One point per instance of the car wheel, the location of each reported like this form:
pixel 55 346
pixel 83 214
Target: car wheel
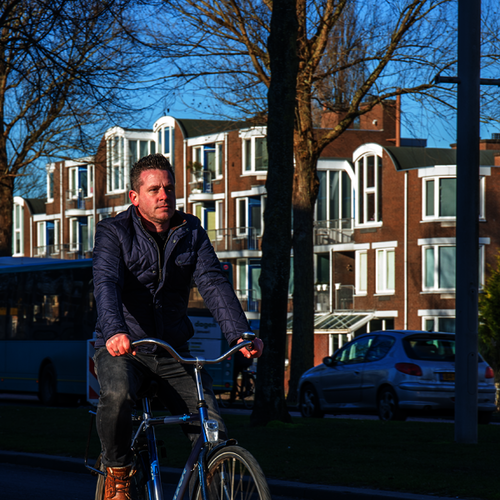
pixel 309 403
pixel 484 417
pixel 387 405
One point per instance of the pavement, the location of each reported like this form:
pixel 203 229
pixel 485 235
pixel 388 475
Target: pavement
pixel 289 489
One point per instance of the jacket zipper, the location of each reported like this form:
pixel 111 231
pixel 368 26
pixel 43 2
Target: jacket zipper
pixel 160 267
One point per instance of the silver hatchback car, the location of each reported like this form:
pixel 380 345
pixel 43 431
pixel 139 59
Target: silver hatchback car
pixel 394 372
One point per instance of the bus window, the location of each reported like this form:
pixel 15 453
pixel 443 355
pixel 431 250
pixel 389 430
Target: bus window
pixel 47 314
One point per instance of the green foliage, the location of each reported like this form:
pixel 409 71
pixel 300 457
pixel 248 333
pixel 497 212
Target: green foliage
pixel 489 319
pixel 195 166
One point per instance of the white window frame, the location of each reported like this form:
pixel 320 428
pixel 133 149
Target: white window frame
pixel 57 234
pixel 362 163
pixel 435 287
pixel 241 231
pixel 440 172
pixel 382 275
pixel 198 155
pixel 436 215
pixel 40 238
pixel 361 265
pixel 116 160
pixel 138 154
pixel 219 160
pixel 249 141
pixel 328 194
pixel 160 144
pixel 74 240
pixel 73 182
pixel 436 243
pixel 482 197
pixel 481 256
pixel 90 229
pixel 90 180
pixel 219 219
pixel 18 229
pixel 242 269
pixel 435 315
pixel 50 174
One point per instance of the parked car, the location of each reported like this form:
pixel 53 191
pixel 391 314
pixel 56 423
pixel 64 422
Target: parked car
pixel 394 372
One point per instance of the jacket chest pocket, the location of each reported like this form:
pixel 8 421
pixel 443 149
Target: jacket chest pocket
pixel 183 268
pixel 185 259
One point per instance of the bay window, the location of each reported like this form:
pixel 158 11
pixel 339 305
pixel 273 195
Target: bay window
pixel 368 170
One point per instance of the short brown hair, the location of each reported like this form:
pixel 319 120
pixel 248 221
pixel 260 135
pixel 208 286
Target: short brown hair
pixel 151 162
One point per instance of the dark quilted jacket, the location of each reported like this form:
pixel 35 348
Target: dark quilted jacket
pixel 136 297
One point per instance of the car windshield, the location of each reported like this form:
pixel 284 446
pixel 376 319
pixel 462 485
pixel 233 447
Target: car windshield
pixel 430 349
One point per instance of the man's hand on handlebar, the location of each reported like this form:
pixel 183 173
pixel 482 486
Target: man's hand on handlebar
pixel 119 344
pixel 256 352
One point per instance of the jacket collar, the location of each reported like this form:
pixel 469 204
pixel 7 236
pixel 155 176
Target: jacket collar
pixel 176 221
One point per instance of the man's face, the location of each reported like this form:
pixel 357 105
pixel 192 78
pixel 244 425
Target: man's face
pixel 156 197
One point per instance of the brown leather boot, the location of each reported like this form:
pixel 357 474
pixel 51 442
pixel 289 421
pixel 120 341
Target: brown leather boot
pixel 117 486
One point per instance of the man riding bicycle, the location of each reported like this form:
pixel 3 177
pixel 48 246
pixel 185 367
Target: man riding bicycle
pixel 144 261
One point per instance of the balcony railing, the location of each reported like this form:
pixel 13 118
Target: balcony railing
pixel 66 251
pixel 201 182
pixel 343 298
pixel 249 299
pixel 234 239
pixel 333 232
pixel 322 298
pixel 75 199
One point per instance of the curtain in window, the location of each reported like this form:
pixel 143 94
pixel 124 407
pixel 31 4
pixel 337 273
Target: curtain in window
pixel 447 263
pixel 448 197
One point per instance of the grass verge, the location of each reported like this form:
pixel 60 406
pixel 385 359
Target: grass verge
pixel 416 457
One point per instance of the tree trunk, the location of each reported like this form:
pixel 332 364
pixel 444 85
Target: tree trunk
pixel 6 194
pixel 270 401
pixel 305 191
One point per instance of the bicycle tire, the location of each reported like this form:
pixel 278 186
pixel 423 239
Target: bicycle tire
pixel 138 486
pixel 233 473
pixel 248 391
pixel 223 403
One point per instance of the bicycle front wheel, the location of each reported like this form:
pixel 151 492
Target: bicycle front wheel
pixel 233 473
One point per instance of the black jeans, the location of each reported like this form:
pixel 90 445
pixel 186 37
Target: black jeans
pixel 121 379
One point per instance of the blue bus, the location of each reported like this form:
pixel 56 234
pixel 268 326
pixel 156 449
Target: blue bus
pixel 47 317
pixel 47 313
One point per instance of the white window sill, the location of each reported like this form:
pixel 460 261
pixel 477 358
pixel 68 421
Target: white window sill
pixel 110 193
pixel 438 219
pixel 368 225
pixel 254 173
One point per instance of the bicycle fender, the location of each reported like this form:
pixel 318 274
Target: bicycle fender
pixel 215 449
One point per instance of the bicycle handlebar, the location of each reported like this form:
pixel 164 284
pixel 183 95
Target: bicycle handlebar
pixel 192 361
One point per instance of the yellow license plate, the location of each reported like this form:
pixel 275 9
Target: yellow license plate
pixel 448 377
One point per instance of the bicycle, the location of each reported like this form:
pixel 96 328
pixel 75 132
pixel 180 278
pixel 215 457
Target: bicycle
pixel 225 470
pixel 243 389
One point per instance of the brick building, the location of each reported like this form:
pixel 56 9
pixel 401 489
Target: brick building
pixel 385 218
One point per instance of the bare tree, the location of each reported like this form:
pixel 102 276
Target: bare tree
pixel 65 67
pixel 353 55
